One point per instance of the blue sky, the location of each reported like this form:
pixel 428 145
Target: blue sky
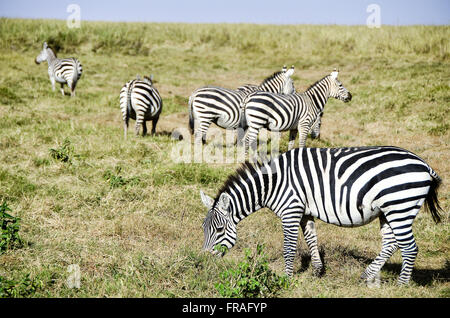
pixel 392 12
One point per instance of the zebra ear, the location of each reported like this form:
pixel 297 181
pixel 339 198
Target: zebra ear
pixel 284 69
pixel 224 202
pixel 290 71
pixel 334 74
pixel 207 200
pixel 45 45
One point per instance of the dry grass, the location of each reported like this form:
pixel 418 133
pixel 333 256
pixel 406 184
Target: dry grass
pixel 142 238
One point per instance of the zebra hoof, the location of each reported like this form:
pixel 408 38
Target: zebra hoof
pixel 318 271
pixel 372 281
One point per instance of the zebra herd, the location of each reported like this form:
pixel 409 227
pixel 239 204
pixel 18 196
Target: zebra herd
pixel 347 187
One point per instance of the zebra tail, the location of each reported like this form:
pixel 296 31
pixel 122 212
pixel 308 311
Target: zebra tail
pixel 431 200
pixel 191 116
pixel 130 87
pixel 243 120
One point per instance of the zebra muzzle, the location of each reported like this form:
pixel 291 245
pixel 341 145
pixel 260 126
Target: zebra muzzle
pixel 349 97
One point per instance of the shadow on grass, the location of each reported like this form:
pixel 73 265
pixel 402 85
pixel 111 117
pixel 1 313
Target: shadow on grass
pixel 421 276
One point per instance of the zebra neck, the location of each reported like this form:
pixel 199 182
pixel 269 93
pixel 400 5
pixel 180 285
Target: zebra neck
pixel 250 192
pixel 274 84
pixel 319 94
pixel 50 56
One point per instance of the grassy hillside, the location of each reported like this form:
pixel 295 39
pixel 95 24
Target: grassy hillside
pixel 131 218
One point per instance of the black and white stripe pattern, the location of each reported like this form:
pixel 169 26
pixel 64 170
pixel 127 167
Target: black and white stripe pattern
pixel 292 112
pixel 221 106
pixel 64 71
pixel 346 187
pixel 140 100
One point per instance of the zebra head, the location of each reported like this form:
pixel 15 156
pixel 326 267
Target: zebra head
pixel 43 55
pixel 337 90
pixel 218 228
pixel 288 87
pixel 279 82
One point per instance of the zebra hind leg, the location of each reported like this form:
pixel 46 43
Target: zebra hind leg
pixel 144 128
pixel 138 125
pixel 240 136
pixel 292 135
pixel 62 89
pixel 401 225
pixel 154 122
pixel 200 130
pixel 309 232
pixel 72 88
pixel 251 139
pixel 388 246
pixel 125 128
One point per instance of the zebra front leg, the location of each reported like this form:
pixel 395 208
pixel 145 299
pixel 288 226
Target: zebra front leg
pixel 62 89
pixel 303 134
pixel 292 135
pixel 290 231
pixel 309 232
pixel 388 246
pixel 52 80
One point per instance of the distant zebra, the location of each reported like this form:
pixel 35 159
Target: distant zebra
pixel 64 71
pixel 140 100
pixel 346 187
pixel 222 106
pixel 293 112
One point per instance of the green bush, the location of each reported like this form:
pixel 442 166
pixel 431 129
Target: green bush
pixel 22 288
pixel 252 278
pixel 64 153
pixel 10 230
pixel 116 180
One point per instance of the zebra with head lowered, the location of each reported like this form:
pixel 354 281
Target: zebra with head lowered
pixel 222 106
pixel 64 71
pixel 292 112
pixel 347 187
pixel 141 101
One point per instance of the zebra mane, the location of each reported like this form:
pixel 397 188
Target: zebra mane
pixel 241 173
pixel 271 77
pixel 51 50
pixel 311 86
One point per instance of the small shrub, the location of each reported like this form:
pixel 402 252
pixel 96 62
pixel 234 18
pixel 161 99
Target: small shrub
pixel 116 180
pixel 10 230
pixel 252 278
pixel 21 288
pixel 64 153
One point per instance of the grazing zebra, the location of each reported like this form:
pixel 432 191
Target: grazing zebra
pixel 222 106
pixel 346 187
pixel 140 100
pixel 293 112
pixel 64 71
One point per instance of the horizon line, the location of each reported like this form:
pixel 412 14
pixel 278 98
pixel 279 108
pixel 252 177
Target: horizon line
pixel 236 23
